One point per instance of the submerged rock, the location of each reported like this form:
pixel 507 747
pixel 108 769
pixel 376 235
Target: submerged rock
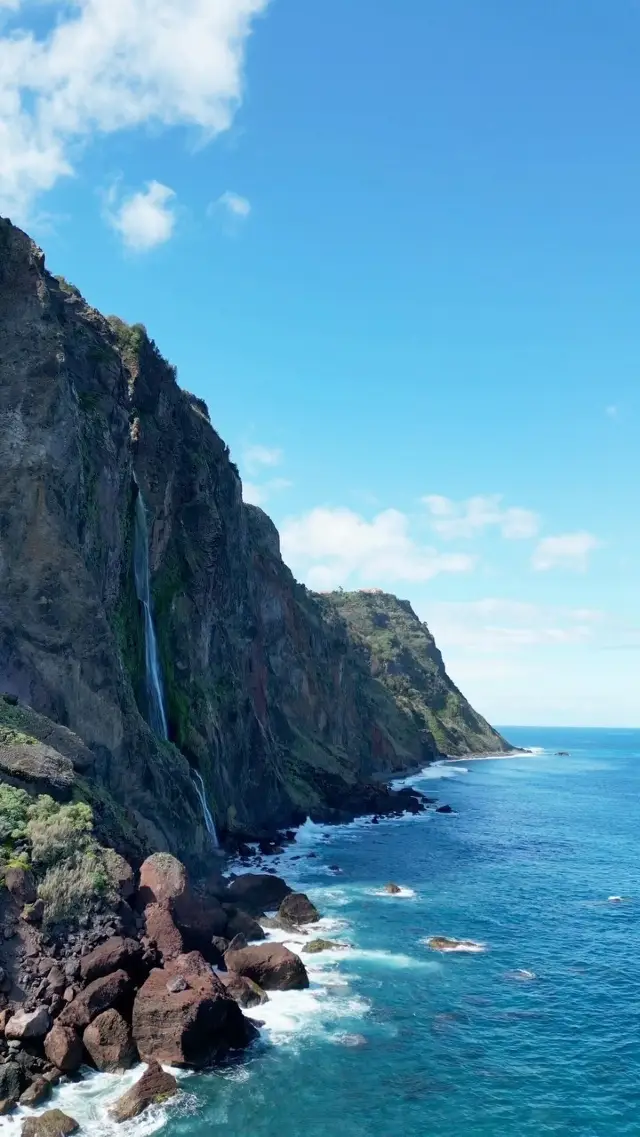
pixel 272 966
pixel 317 946
pixel 392 889
pixel 444 943
pixel 155 1086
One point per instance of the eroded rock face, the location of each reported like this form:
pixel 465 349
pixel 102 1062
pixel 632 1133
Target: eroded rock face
pixel 192 1026
pixel 272 966
pixel 155 1085
pixel 108 1040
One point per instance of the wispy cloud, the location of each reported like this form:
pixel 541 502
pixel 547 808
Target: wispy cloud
pixel 102 66
pixel 254 493
pixel 498 625
pixel 144 219
pixel 332 547
pixel 232 204
pixel 569 551
pixel 257 457
pixel 454 520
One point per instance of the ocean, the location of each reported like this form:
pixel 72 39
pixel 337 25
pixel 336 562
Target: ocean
pixel 535 1032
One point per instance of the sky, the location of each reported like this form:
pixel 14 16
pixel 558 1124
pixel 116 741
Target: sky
pixel 395 247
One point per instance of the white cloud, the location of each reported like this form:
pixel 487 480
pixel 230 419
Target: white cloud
pixel 259 494
pixel 455 520
pixel 330 547
pixel 498 626
pixel 233 204
pixel 109 65
pixel 145 219
pixel 568 551
pixel 255 457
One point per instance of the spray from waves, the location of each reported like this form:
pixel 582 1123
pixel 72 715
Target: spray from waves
pixel 403 894
pixel 88 1102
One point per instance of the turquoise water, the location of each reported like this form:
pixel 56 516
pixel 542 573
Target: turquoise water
pixel 452 1043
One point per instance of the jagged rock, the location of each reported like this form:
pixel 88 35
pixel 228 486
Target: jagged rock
pixel 53 1123
pixel 241 923
pixel 11 1081
pixel 238 942
pixel 21 885
pixel 28 1024
pixel 161 930
pixel 36 1093
pixel 116 954
pixel 155 1085
pixel 191 1027
pixel 108 1041
pixel 101 995
pixel 272 966
pixel 246 993
pixel 296 908
pixel 63 1047
pixel 257 892
pixel 220 945
pixel 316 946
pixel 56 980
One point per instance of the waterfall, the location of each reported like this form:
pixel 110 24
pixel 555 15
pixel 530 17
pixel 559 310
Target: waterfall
pixel 155 697
pixel 210 824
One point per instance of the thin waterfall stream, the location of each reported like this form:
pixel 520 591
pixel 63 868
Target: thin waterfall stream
pixel 153 672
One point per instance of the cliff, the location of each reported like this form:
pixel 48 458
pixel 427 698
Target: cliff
pixel 404 657
pixel 268 693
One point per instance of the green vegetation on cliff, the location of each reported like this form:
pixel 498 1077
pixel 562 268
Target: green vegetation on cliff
pixel 404 657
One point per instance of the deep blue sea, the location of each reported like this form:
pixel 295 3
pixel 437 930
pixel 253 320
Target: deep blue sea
pixel 538 1034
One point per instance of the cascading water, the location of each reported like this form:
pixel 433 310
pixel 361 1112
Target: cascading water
pixel 208 817
pixel 155 696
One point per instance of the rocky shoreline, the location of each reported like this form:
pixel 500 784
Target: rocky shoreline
pixel 161 977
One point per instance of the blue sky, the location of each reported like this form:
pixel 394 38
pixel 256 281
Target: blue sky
pixel 395 247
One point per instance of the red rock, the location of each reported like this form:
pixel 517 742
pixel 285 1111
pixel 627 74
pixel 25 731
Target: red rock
pixel 21 885
pixel 155 1085
pixel 109 991
pixel 161 930
pixel 108 1041
pixel 190 1027
pixel 245 992
pixel 63 1047
pixel 164 881
pixel 272 966
pixel 115 954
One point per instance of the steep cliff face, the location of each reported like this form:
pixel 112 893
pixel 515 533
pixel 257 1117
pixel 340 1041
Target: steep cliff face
pixel 267 694
pixel 404 657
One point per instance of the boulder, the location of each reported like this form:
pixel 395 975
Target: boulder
pixel 110 991
pixel 154 1086
pixel 241 923
pixel 36 1093
pixel 63 1048
pixel 161 930
pixel 191 1027
pixel 28 1024
pixel 245 992
pixel 392 889
pixel 11 1081
pixel 316 946
pixel 53 1123
pixel 21 885
pixel 115 954
pixel 238 942
pixel 164 880
pixel 124 876
pixel 109 1043
pixel 272 966
pixel 296 908
pixel 257 892
pixel 444 809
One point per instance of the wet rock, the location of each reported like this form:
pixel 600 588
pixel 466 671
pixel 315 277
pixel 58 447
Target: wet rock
pixel 444 809
pixel 28 1024
pixel 11 1081
pixel 110 991
pixel 53 1123
pixel 109 1043
pixel 154 1086
pixel 116 954
pixel 245 992
pixel 296 908
pixel 63 1047
pixel 444 943
pixel 272 966
pixel 162 931
pixel 21 884
pixel 241 923
pixel 392 889
pixel 192 1027
pixel 36 1093
pixel 257 892
pixel 316 946
pixel 6 1106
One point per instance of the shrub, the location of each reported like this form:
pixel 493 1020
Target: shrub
pixel 58 832
pixel 75 887
pixel 14 806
